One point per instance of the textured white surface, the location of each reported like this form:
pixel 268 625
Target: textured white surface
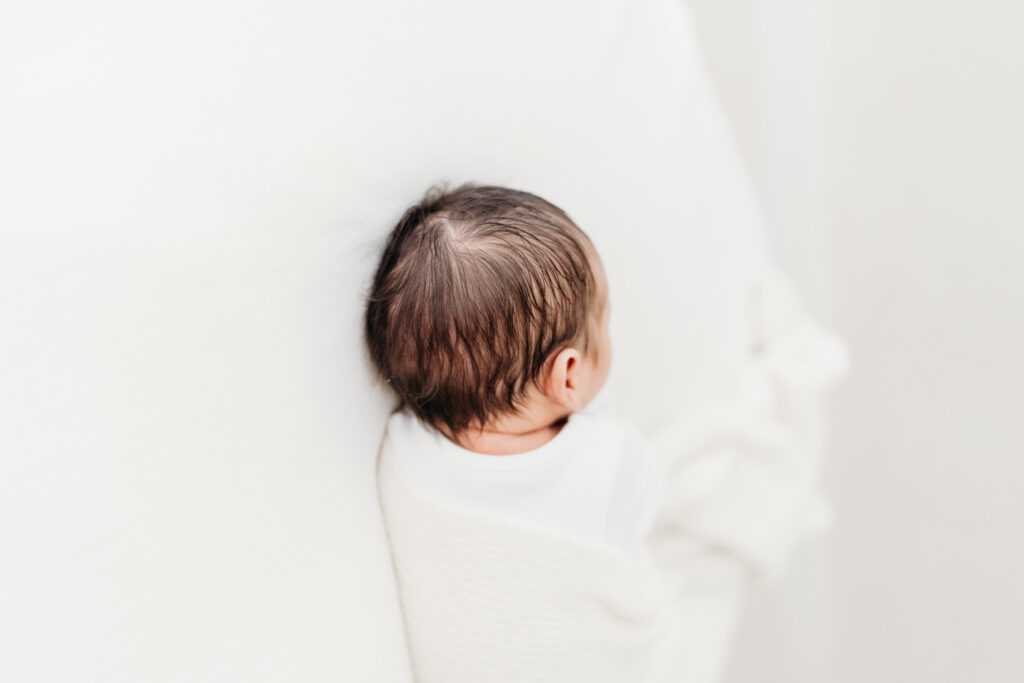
pixel 193 198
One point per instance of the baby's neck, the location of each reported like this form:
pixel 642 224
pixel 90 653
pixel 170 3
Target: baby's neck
pixel 533 424
pixel 508 442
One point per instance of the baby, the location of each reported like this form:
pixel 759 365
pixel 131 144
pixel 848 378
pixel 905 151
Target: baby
pixel 534 536
pixel 517 513
pixel 488 317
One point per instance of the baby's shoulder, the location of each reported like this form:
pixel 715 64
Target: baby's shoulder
pixel 619 446
pixel 608 432
pixel 635 482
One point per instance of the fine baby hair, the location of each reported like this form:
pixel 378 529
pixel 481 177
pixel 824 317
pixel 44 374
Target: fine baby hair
pixel 476 288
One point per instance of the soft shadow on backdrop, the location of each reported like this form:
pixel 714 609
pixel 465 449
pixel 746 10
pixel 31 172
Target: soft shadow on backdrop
pixel 887 145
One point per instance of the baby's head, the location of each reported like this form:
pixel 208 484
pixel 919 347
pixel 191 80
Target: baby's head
pixel 489 304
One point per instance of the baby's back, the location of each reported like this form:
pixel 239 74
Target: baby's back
pixel 514 566
pixel 596 480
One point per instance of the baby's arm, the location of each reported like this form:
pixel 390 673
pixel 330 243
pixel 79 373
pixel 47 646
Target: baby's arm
pixel 742 477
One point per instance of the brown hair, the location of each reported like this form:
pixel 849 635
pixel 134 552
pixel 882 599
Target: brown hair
pixel 476 288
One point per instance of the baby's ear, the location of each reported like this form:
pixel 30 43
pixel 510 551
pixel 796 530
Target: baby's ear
pixel 561 378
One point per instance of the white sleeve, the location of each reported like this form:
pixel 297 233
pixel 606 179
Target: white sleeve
pixel 638 493
pixel 742 477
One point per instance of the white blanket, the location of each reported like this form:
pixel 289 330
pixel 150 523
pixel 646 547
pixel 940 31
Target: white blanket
pixel 485 599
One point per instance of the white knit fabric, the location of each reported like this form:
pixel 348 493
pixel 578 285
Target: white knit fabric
pixel 487 598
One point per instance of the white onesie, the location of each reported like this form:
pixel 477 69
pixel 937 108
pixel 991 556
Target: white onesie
pixel 532 566
pixel 597 479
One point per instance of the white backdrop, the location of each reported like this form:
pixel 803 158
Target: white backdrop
pixel 193 198
pixel 888 146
